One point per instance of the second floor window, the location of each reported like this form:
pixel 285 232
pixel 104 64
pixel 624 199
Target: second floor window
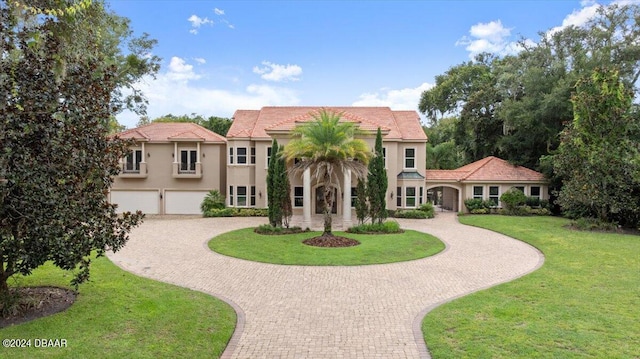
pixel 241 154
pixel 410 158
pixel 133 160
pixel 188 159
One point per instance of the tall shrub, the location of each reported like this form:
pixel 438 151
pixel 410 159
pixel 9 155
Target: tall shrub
pixel 274 201
pixel 377 183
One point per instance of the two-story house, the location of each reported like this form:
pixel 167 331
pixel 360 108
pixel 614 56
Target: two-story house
pixel 171 168
pixel 249 149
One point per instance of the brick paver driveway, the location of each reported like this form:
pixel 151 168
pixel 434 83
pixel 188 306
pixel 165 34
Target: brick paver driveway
pixel 326 312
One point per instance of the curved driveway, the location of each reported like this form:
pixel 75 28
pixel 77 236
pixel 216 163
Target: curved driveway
pixel 326 312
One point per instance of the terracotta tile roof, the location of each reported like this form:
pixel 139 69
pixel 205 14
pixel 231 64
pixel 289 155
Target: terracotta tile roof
pixel 399 124
pixel 171 131
pixel 444 175
pixel 487 169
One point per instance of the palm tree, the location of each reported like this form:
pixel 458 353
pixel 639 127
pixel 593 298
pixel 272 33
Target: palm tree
pixel 327 146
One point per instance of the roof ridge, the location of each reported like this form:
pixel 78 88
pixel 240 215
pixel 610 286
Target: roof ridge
pixel 488 159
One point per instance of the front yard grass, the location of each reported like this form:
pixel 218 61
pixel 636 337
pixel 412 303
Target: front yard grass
pixel 120 315
pixel 583 302
pixel 289 249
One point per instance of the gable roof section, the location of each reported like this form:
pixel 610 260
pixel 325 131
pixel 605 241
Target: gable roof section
pixel 400 125
pixel 488 169
pixel 172 131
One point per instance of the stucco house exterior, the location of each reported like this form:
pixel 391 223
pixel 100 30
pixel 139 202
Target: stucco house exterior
pixel 170 170
pixel 487 179
pixel 249 148
pixel 174 165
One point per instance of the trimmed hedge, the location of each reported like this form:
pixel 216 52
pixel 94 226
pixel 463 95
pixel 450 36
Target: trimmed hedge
pixel 376 228
pixel 236 212
pixel 412 213
pixel 268 229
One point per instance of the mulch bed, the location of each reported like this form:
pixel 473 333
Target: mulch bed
pixel 38 302
pixel 330 241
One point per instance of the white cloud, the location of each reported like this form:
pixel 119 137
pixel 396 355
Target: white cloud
pixel 174 91
pixel 197 21
pixel 278 73
pixel 403 99
pixel 179 70
pixel 578 17
pixel 487 37
pixel 492 31
pixel 200 60
pixel 218 11
pixel 193 31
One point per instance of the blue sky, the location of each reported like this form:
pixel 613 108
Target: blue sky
pixel 219 56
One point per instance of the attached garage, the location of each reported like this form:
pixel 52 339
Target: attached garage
pixel 183 202
pixel 130 201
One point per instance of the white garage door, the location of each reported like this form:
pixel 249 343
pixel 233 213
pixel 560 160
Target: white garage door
pixel 131 201
pixel 183 202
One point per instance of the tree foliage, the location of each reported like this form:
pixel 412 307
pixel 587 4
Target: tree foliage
pixel 326 146
pixel 274 196
pixel 515 107
pixel 377 183
pixel 599 157
pixel 219 125
pixel 62 73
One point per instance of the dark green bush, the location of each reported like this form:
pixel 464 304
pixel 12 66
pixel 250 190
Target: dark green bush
pixel 532 202
pixel 213 200
pixel 473 203
pixel 250 212
pixel 480 211
pixel 236 212
pixel 593 224
pixel 412 213
pixel 377 228
pixel 513 199
pixel 428 209
pixel 224 212
pixel 268 229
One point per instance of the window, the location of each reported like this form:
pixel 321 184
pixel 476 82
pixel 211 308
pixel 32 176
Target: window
pixel 298 195
pixel 411 197
pixel 521 188
pixel 253 195
pixel 188 159
pixel 253 155
pixel 133 160
pixel 384 156
pixel 354 196
pixel 241 154
pixel 399 196
pixel 477 192
pixel 494 195
pixel 535 191
pixel 409 158
pixel 230 195
pixel 242 196
pixel 268 155
pixel 231 155
pixel 421 194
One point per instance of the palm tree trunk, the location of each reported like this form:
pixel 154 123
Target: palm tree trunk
pixel 328 204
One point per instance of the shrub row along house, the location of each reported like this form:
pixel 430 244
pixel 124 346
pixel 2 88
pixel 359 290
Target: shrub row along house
pixel 173 165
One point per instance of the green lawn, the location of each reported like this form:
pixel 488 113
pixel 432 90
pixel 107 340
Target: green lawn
pixel 289 249
pixel 119 315
pixel 583 302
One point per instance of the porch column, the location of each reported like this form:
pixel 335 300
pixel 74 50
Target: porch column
pixel 346 200
pixel 306 199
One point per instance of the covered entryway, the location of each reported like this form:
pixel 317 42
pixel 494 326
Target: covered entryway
pixel 147 201
pixel 445 196
pixel 183 202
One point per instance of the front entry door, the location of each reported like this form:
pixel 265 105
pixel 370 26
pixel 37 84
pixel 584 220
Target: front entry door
pixel 320 201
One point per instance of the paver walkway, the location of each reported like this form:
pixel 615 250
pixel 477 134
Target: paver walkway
pixel 326 312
